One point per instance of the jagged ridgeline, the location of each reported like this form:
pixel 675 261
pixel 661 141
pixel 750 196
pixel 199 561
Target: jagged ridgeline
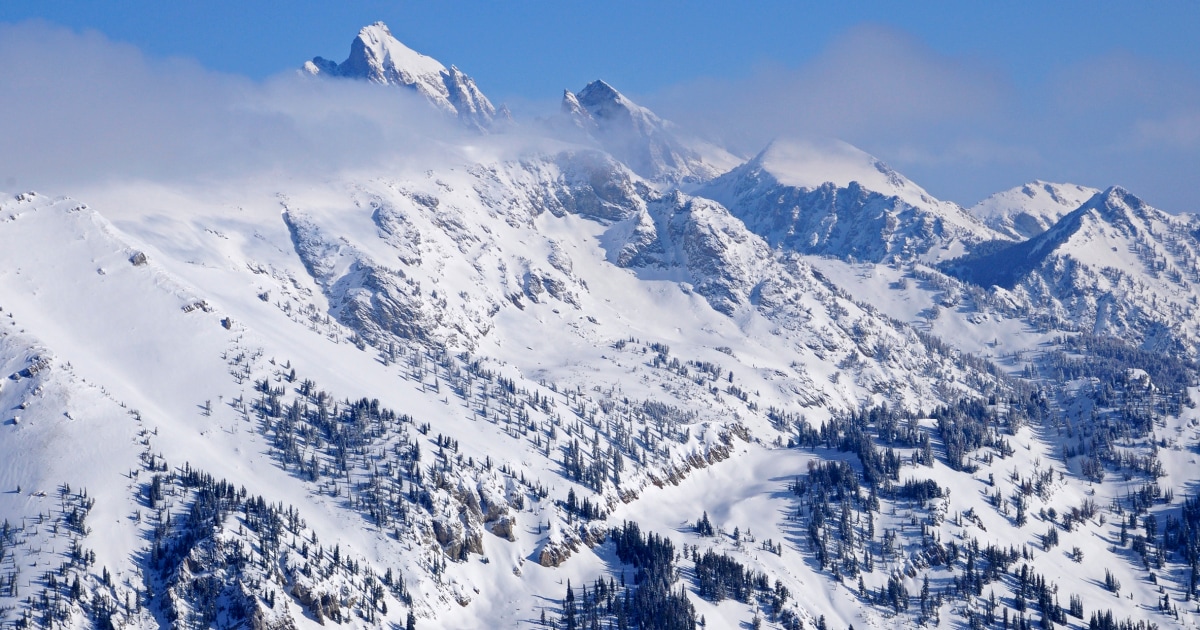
pixel 589 372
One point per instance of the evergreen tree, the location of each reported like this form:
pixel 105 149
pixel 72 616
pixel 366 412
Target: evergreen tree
pixel 569 621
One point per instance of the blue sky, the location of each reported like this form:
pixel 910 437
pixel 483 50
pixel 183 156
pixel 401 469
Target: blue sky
pixel 964 97
pixel 530 49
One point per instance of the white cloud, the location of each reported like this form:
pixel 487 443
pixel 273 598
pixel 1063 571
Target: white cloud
pixel 870 81
pixel 80 109
pixel 960 126
pixel 1181 131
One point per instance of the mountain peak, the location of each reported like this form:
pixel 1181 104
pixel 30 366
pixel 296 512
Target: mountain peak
pixel 811 164
pixel 1113 199
pixel 1112 221
pixel 377 56
pixel 1030 209
pixel 1117 194
pixel 598 91
pixel 1119 208
pixel 378 30
pixel 614 111
pixel 572 107
pixel 634 134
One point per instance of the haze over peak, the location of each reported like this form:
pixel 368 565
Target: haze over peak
pixel 811 163
pixel 637 136
pixel 831 198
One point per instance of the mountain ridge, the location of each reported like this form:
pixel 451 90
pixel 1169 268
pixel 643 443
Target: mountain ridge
pixel 788 194
pixel 1028 210
pixel 1115 264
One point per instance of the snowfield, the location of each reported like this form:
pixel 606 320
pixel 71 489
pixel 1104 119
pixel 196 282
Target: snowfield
pixel 795 391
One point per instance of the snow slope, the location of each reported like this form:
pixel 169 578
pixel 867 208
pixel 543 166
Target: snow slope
pixel 1026 211
pixel 833 199
pixel 1115 266
pixel 563 271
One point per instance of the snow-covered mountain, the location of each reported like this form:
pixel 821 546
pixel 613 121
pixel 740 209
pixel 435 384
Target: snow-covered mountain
pixel 377 56
pixel 544 277
pixel 833 199
pixel 639 138
pixel 1026 211
pixel 1114 267
pixel 576 381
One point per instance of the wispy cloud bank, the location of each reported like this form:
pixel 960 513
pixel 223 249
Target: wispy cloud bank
pixel 962 127
pixel 80 109
pixel 868 82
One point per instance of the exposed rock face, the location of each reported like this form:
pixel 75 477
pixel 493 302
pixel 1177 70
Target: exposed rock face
pixel 260 619
pixel 456 538
pixel 504 528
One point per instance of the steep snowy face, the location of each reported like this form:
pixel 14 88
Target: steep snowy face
pixel 1026 211
pixel 377 56
pixel 544 328
pixel 637 136
pixel 1114 266
pixel 1104 231
pixel 612 110
pixel 833 199
pixel 457 233
pixel 484 300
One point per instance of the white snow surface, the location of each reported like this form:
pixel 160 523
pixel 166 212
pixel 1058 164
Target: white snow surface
pixel 515 299
pixel 833 199
pixel 172 301
pixel 809 164
pixel 157 309
pixel 1026 211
